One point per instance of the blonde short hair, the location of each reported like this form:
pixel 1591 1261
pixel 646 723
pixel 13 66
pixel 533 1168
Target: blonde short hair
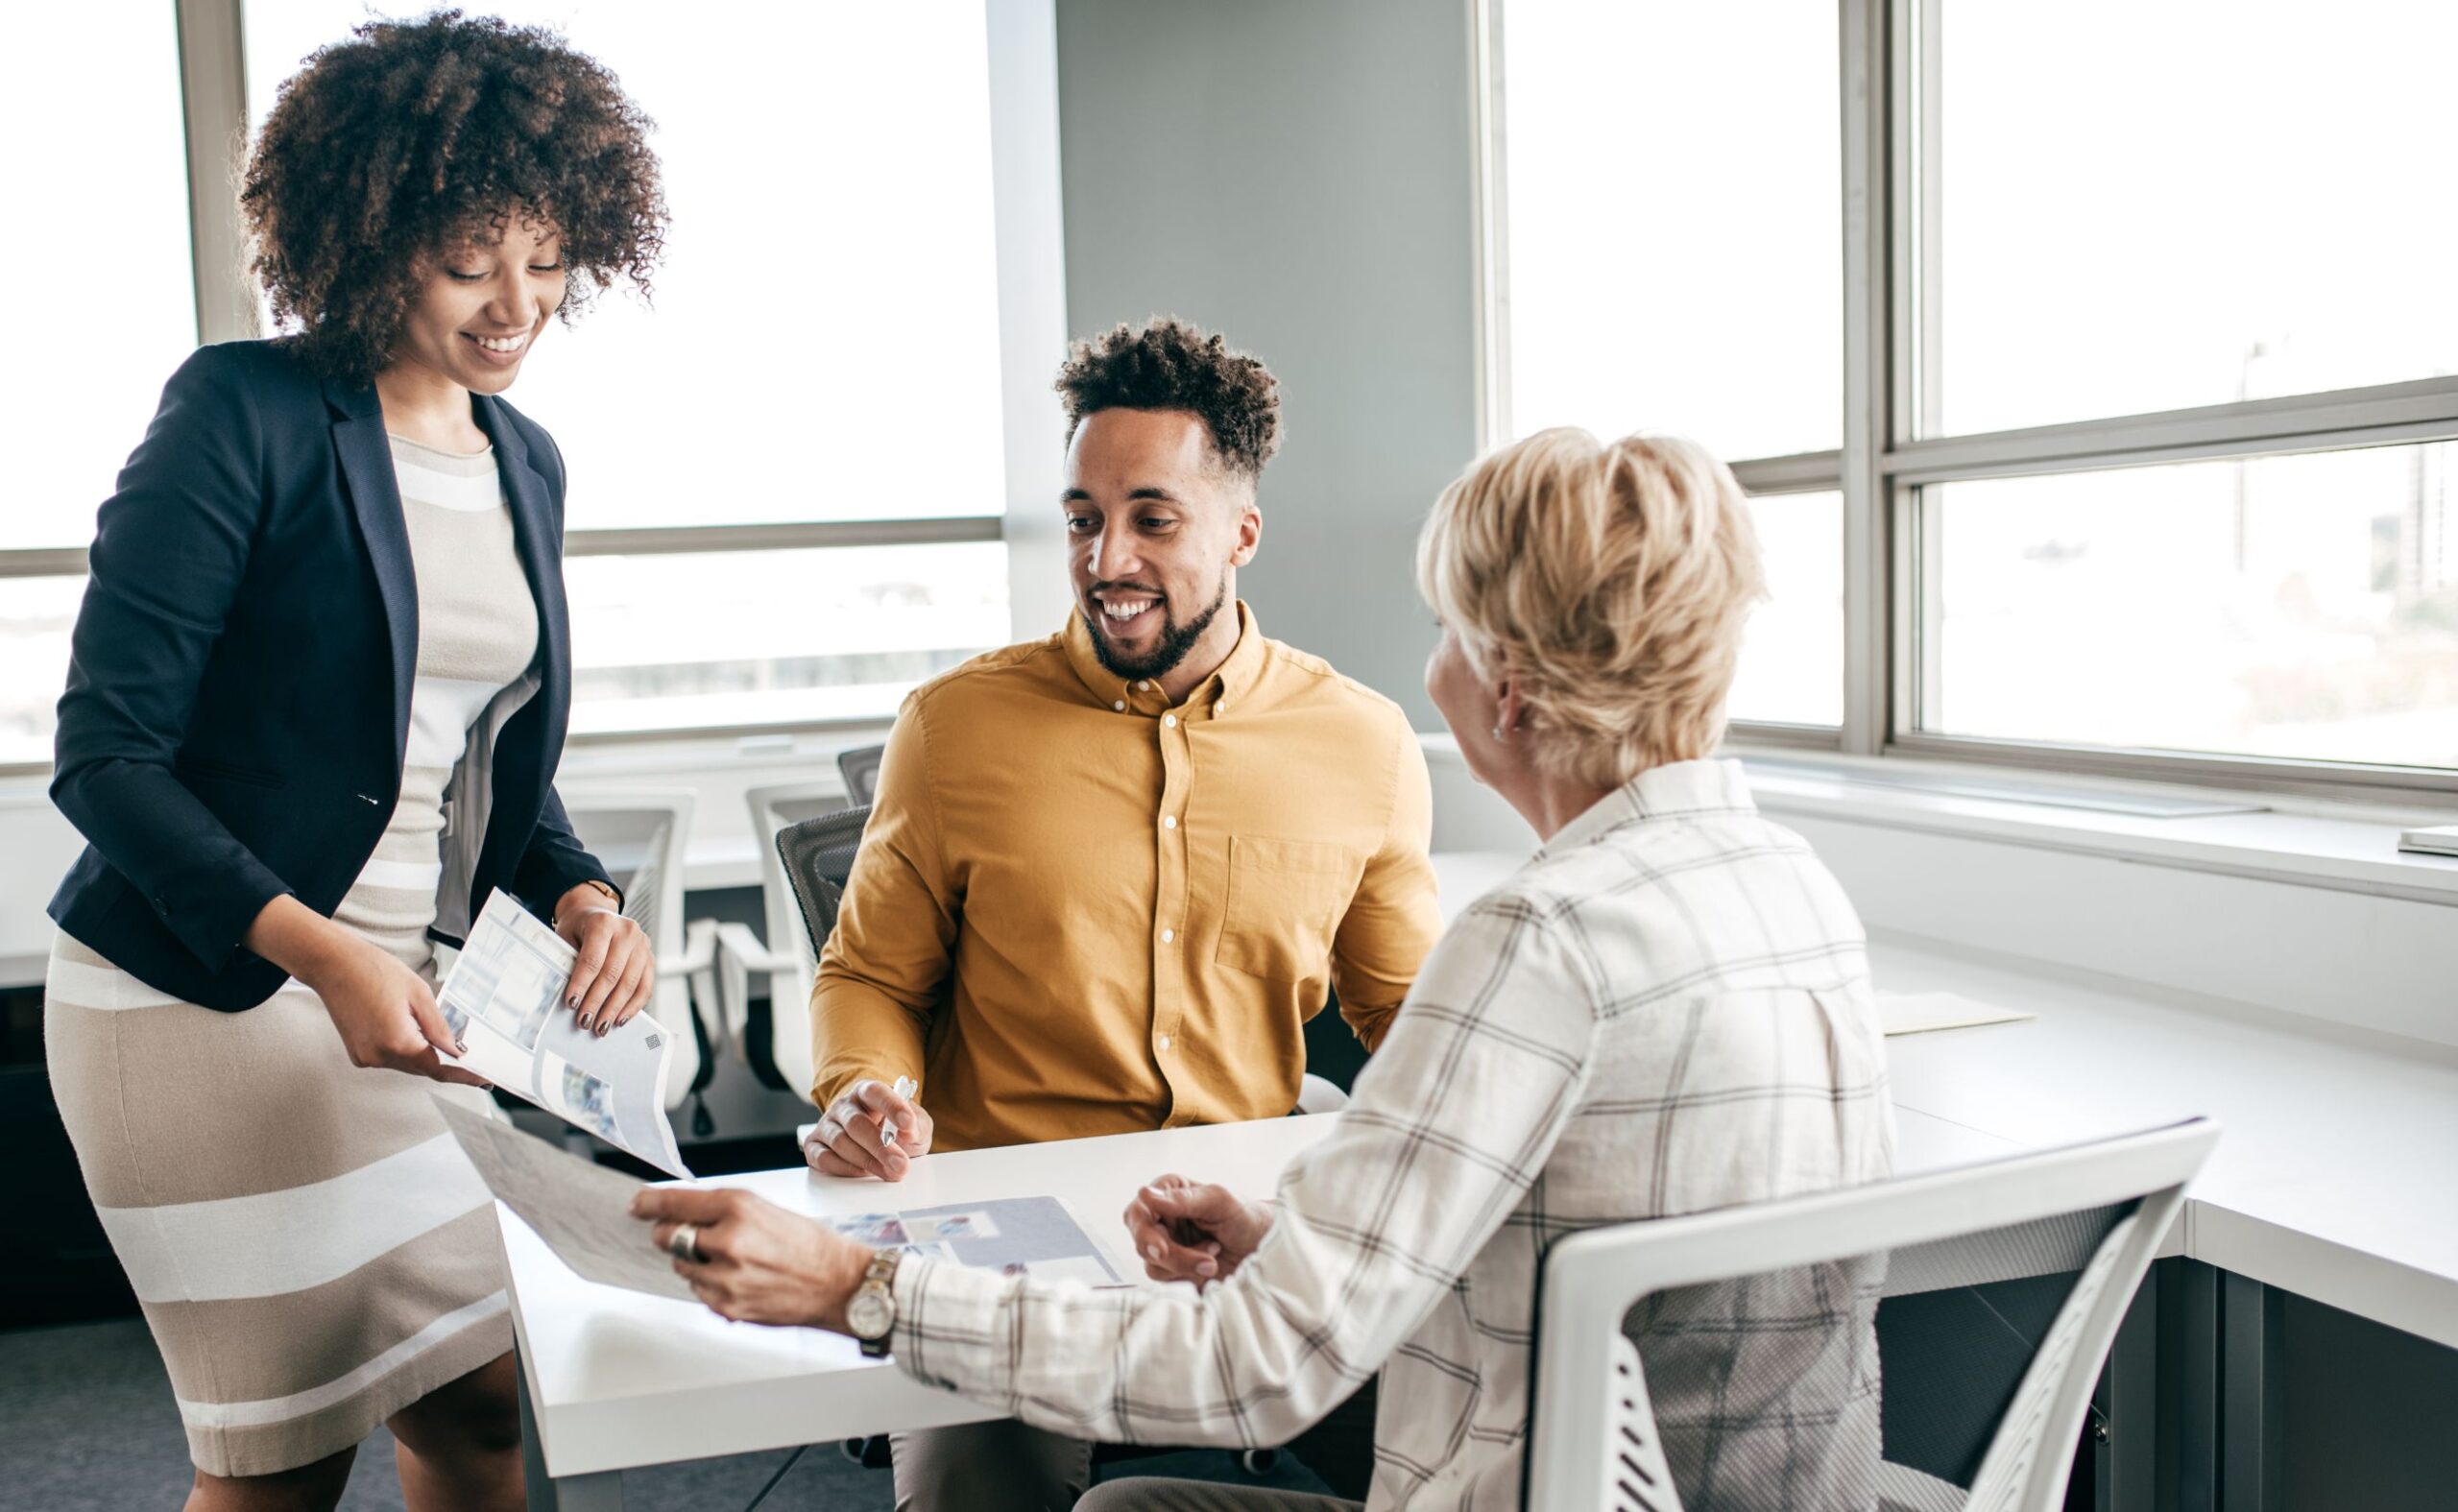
pixel 1610 583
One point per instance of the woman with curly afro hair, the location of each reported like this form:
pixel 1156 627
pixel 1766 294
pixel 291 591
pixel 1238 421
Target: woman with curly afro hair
pixel 318 692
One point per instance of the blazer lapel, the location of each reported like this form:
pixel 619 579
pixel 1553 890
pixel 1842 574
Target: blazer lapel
pixel 376 497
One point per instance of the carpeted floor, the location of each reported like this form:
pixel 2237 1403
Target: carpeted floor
pixel 87 1425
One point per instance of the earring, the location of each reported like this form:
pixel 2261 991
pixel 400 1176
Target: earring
pixel 1498 734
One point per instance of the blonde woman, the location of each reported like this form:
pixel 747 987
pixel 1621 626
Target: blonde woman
pixel 1667 1009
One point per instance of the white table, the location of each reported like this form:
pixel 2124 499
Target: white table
pixel 2334 1180
pixel 2336 1177
pixel 617 1378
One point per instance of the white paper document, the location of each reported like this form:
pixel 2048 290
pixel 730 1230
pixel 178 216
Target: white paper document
pixel 1919 1012
pixel 504 999
pixel 1036 1237
pixel 582 1210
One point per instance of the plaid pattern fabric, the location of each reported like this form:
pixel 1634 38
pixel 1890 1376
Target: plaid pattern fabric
pixel 1667 1010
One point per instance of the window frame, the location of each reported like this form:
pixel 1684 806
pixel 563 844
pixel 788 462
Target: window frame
pixel 1890 89
pixel 213 83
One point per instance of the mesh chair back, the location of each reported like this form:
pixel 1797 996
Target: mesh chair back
pixel 818 854
pixel 641 901
pixel 1726 1357
pixel 859 767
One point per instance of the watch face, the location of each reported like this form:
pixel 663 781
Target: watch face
pixel 869 1314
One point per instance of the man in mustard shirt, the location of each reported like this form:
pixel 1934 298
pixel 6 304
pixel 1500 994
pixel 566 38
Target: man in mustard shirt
pixel 1112 872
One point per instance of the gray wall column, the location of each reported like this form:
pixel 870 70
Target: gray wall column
pixel 1299 175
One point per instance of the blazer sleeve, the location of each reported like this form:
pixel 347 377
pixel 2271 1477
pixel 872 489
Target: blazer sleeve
pixel 556 861
pixel 170 551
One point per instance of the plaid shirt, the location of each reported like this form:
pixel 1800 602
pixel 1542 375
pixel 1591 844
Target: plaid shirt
pixel 1667 1010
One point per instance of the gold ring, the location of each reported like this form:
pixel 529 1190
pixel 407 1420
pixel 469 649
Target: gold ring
pixel 684 1243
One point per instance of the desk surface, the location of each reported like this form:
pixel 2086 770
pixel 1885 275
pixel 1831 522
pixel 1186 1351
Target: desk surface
pixel 2336 1178
pixel 620 1378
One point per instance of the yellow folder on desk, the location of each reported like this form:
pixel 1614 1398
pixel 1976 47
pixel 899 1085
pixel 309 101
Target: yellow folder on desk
pixel 1919 1012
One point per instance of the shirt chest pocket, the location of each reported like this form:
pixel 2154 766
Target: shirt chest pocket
pixel 1286 899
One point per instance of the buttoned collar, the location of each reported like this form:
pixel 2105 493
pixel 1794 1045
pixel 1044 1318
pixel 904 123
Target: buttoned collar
pixel 1678 790
pixel 1229 685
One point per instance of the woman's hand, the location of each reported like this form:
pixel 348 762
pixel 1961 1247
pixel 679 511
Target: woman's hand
pixel 617 968
pixel 1193 1230
pixel 386 1016
pixel 760 1263
pixel 384 1012
pixel 850 1139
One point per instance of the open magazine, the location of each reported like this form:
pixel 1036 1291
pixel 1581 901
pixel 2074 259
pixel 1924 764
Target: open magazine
pixel 504 999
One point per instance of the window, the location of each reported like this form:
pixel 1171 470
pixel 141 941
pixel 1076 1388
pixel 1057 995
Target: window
pixel 1671 249
pixel 1791 660
pixel 2298 605
pixel 822 351
pixel 87 363
pixel 2148 207
pixel 2139 346
pixel 1673 263
pixel 786 478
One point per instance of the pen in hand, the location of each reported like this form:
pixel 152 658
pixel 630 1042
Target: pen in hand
pixel 905 1087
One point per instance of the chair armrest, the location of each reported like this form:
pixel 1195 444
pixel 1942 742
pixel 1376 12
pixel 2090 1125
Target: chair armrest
pixel 745 950
pixel 699 950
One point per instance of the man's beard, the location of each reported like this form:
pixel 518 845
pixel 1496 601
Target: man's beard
pixel 1176 640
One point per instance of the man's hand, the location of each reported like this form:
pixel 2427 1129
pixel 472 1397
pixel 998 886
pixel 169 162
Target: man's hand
pixel 762 1264
pixel 1193 1230
pixel 850 1139
pixel 618 967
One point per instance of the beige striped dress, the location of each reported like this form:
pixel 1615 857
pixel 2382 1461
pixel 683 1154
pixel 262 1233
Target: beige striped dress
pixel 312 1250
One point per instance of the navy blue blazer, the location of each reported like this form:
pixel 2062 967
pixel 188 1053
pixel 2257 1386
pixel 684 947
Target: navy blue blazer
pixel 239 697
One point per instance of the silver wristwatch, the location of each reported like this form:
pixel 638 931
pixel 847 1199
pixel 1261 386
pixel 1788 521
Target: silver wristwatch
pixel 870 1313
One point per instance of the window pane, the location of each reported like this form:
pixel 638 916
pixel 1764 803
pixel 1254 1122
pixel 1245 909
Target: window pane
pixel 35 617
pixel 824 343
pixel 2301 606
pixel 2150 207
pixel 97 255
pixel 760 638
pixel 1672 180
pixel 1791 660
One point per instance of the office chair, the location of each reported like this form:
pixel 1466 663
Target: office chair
pixel 775 1045
pixel 859 767
pixel 640 837
pixel 2095 1212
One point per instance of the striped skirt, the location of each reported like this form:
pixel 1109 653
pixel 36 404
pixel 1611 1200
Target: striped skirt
pixel 313 1251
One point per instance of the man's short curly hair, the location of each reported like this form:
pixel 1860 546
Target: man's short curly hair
pixel 411 137
pixel 1171 365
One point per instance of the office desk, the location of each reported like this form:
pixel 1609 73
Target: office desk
pixel 617 1378
pixel 2337 1177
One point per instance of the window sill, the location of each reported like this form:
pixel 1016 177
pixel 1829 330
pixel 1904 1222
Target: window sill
pixel 2305 842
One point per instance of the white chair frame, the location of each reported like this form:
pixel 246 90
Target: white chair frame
pixel 785 958
pixel 1592 1424
pixel 687 950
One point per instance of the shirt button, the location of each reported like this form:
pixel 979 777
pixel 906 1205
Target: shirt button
pixel 1120 705
pixel 1168 935
pixel 1164 1042
pixel 1143 686
pixel 1169 721
pixel 1169 821
pixel 1221 705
